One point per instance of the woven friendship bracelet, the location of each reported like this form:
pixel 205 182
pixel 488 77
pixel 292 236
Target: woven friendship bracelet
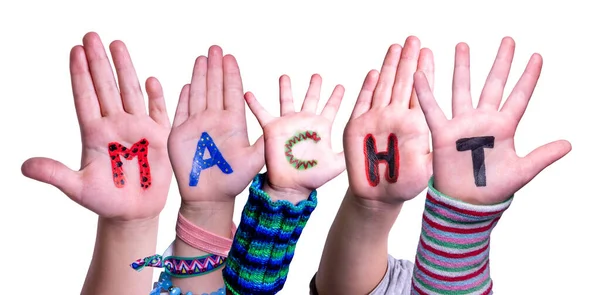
pixel 201 239
pixel 181 267
pixel 152 261
pixel 265 242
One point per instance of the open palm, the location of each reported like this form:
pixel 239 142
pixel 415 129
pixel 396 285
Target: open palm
pixel 387 111
pixel 213 105
pixel 494 172
pixel 298 149
pixel 106 116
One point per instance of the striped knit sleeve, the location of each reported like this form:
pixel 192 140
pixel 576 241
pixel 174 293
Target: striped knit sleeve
pixel 264 244
pixel 453 252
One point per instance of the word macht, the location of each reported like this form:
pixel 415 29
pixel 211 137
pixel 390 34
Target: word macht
pixel 476 146
pixel 200 163
pixel 390 157
pixel 300 164
pixel 139 150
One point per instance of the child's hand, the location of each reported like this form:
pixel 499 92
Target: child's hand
pixel 209 148
pixel 474 153
pixel 298 150
pixel 386 140
pixel 125 171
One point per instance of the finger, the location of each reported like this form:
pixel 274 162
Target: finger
pixel 425 64
pixel 383 90
pixel 311 100
pixel 333 104
pixel 86 101
pixel 257 109
pixel 182 112
pixel 234 90
pixel 491 95
pixel 433 113
pixel 517 101
pixel 404 83
pixel 214 78
pixel 54 173
pixel 461 81
pixel 129 85
pixel 365 97
pixel 257 160
pixel 156 102
pixel 542 157
pixel 286 99
pixel 102 75
pixel 197 95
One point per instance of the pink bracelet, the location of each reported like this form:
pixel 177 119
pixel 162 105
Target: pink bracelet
pixel 203 240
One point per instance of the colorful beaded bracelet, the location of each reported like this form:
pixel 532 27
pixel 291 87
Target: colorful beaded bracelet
pixel 164 284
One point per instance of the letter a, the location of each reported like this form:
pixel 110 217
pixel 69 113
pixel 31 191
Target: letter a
pixel 199 163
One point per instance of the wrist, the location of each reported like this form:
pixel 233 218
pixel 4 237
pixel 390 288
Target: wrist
pixel 129 228
pixel 369 219
pixel 277 193
pixel 455 190
pixel 438 197
pixel 118 243
pixel 373 207
pixel 214 217
pixel 450 189
pixel 199 209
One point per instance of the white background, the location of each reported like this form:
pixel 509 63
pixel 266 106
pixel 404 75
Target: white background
pixel 546 243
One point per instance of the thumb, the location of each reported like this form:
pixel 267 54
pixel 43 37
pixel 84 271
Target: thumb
pixel 544 156
pixel 53 172
pixel 258 154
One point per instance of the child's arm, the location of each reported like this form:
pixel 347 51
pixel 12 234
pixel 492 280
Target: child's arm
pixel 117 244
pixel 476 171
pixel 265 242
pixel 386 143
pixel 212 158
pixel 453 252
pixel 125 171
pixel 299 160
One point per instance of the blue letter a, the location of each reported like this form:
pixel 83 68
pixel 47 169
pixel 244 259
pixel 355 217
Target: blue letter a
pixel 199 163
